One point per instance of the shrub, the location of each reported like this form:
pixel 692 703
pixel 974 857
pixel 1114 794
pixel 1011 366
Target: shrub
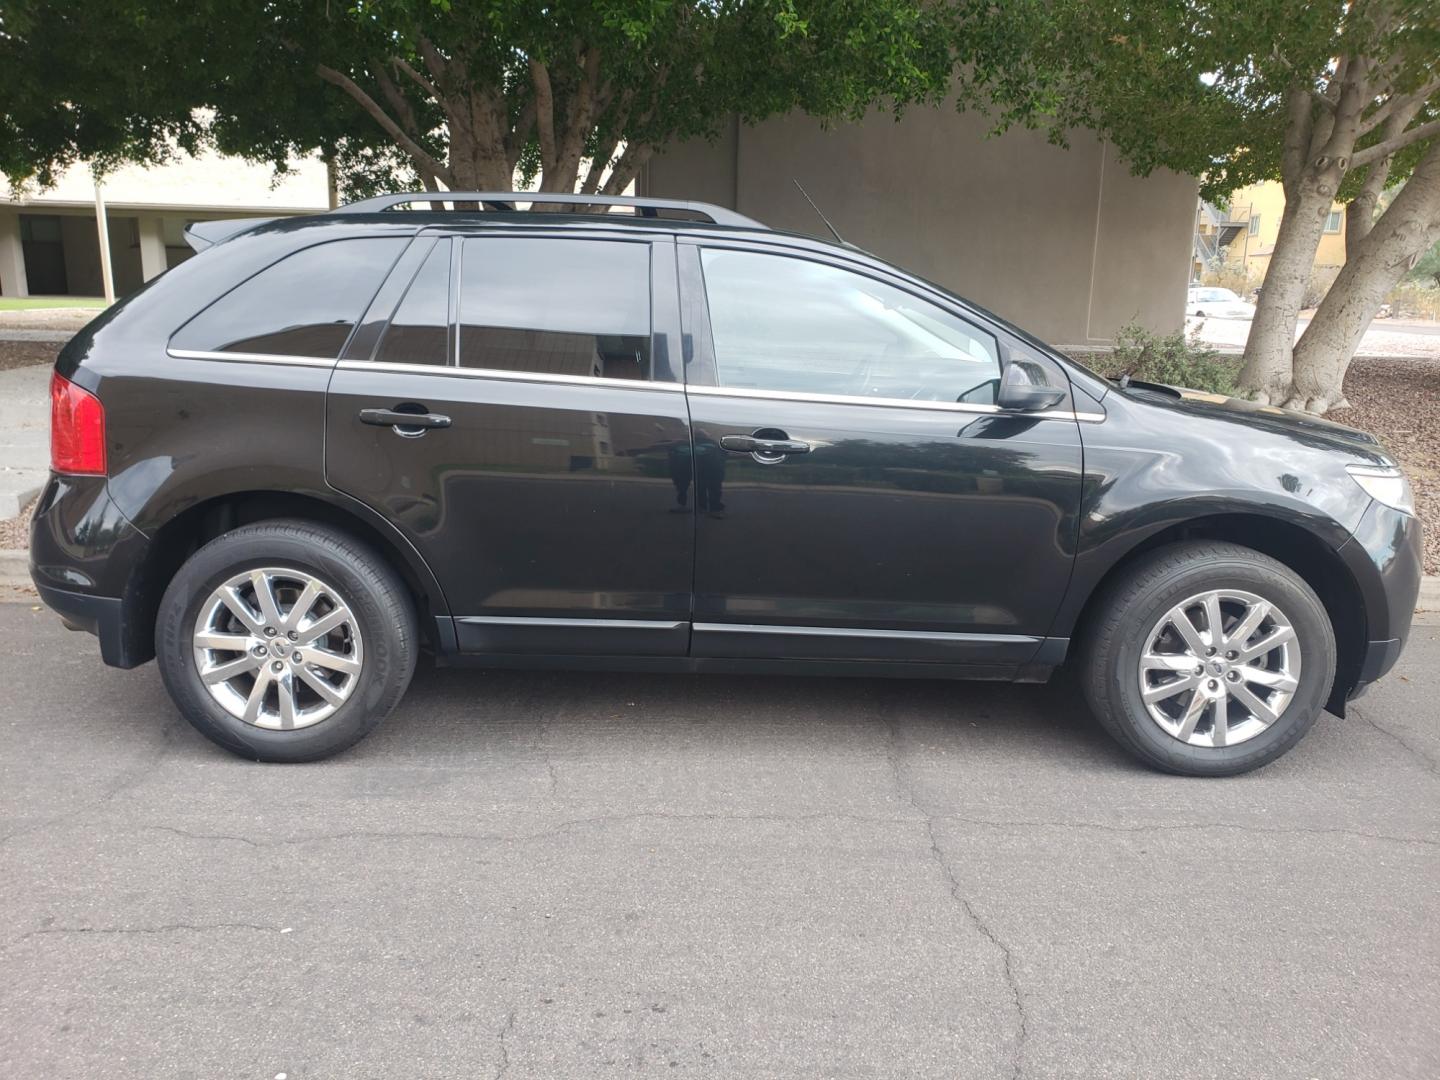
pixel 1414 300
pixel 1233 276
pixel 1174 359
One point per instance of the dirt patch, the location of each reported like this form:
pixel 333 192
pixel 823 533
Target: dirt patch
pixel 17 354
pixel 15 533
pixel 1399 402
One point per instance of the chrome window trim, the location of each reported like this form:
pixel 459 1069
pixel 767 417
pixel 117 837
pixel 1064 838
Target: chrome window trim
pixel 891 403
pixel 514 376
pixel 633 384
pixel 251 358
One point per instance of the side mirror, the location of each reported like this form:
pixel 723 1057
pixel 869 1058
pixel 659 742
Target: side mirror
pixel 1024 388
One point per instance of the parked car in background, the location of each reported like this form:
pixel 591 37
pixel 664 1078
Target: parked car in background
pixel 1209 302
pixel 676 440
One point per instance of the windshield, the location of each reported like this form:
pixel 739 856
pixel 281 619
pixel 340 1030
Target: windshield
pixel 1213 296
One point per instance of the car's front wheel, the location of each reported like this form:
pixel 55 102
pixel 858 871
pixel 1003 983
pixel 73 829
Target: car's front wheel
pixel 1208 659
pixel 285 640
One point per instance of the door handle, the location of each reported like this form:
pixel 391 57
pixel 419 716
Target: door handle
pixel 400 419
pixel 751 444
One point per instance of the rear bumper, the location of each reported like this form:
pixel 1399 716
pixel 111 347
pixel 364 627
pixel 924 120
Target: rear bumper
pixel 85 560
pixel 99 615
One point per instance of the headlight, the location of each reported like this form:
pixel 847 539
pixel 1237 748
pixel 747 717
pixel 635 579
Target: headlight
pixel 1385 484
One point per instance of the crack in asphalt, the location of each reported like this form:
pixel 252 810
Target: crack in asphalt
pixel 130 778
pixel 606 820
pixel 906 789
pixel 504 1032
pixel 198 928
pixel 1188 826
pixel 1425 759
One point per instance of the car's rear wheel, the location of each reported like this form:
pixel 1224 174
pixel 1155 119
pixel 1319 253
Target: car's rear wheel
pixel 285 640
pixel 1208 659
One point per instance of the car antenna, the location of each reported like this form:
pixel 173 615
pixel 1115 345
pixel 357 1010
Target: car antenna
pixel 833 232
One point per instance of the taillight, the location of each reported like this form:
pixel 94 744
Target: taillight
pixel 77 429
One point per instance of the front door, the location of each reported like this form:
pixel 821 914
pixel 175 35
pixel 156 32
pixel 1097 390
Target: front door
pixel 860 495
pixel 540 474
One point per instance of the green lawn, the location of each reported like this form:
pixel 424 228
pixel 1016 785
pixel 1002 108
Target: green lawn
pixel 31 303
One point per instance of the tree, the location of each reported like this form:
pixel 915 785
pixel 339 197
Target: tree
pixel 1333 98
pixel 446 91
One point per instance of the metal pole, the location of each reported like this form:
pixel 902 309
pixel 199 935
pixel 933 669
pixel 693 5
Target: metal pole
pixel 103 229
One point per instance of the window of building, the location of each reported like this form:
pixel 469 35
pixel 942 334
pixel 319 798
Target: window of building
pixel 789 324
pixel 1254 224
pixel 419 331
pixel 556 307
pixel 304 305
pixel 1332 223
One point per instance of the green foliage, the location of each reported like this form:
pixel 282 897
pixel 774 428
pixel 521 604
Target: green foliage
pixel 1174 360
pixel 1200 86
pixel 131 80
pixel 1426 271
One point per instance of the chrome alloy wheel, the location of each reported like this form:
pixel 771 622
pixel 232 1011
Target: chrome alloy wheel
pixel 1219 668
pixel 278 648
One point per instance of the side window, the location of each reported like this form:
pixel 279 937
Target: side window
pixel 782 323
pixel 558 307
pixel 304 305
pixel 419 331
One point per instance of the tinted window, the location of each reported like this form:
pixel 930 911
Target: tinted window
pixel 788 324
pixel 303 305
pixel 559 307
pixel 418 334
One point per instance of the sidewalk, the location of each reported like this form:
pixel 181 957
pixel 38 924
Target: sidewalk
pixel 24 436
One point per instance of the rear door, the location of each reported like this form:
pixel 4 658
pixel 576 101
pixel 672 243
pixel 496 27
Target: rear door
pixel 541 475
pixel 861 496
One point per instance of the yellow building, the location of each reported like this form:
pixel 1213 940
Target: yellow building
pixel 1243 234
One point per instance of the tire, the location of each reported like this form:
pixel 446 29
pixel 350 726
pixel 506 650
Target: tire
pixel 1130 612
pixel 375 639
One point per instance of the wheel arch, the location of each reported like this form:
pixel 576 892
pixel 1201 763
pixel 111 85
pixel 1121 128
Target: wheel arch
pixel 185 532
pixel 1317 563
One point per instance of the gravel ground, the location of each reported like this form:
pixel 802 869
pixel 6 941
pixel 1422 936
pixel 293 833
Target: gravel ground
pixel 15 533
pixel 1399 401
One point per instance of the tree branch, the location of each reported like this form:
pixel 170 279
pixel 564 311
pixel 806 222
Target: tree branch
pixel 1396 103
pixel 418 79
pixel 1387 147
pixel 417 152
pixel 544 112
pixel 434 62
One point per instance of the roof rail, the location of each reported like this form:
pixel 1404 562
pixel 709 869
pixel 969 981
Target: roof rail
pixel 504 202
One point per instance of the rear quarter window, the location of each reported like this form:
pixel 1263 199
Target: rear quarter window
pixel 304 305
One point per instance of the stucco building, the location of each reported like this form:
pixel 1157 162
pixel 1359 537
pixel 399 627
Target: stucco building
pixel 50 240
pixel 1064 242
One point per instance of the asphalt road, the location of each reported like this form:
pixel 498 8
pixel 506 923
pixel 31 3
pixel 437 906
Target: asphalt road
pixel 559 876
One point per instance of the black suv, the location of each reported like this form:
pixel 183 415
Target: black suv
pixel 662 437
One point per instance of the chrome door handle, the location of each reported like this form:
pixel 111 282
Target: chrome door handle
pixel 400 419
pixel 750 444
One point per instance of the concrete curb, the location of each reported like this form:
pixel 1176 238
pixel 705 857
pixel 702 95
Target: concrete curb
pixel 15 567
pixel 15 574
pixel 12 502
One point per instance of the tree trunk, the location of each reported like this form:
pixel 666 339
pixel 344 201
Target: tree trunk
pixel 1267 372
pixel 1403 233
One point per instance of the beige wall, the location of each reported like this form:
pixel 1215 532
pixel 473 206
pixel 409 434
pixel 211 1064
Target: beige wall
pixel 1065 243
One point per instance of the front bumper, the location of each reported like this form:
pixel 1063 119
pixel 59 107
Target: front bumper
pixel 1385 556
pixel 86 560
